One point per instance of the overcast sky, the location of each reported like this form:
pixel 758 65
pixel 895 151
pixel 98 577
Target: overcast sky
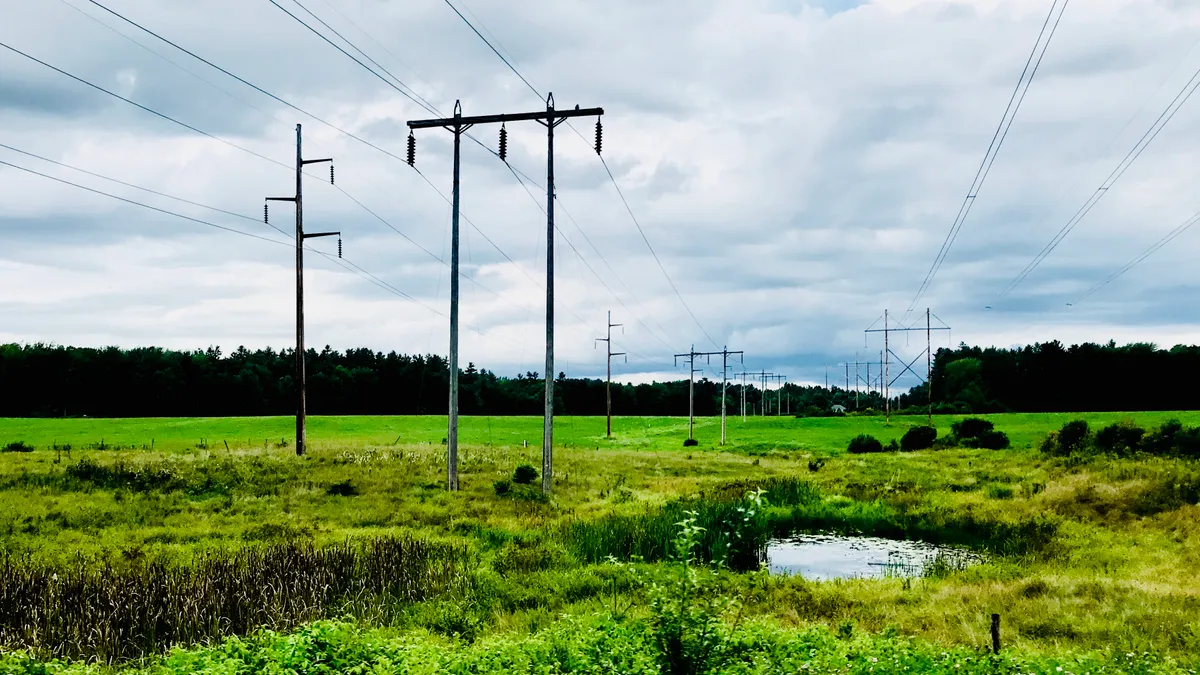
pixel 795 165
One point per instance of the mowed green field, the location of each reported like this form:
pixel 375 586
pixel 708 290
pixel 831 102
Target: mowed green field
pixel 816 435
pixel 1088 559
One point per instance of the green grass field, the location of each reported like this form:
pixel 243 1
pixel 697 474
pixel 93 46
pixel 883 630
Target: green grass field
pixel 1089 558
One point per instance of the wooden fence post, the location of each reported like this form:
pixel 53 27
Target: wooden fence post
pixel 995 633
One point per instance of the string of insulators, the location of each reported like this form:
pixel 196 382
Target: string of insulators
pixel 412 149
pixel 599 135
pixel 266 218
pixel 503 144
pixel 339 247
pixel 331 173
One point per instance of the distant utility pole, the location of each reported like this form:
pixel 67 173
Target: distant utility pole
pixel 608 383
pixel 762 399
pixel 550 118
pixel 301 377
pixel 691 360
pixel 725 354
pixel 780 379
pixel 744 374
pixel 885 359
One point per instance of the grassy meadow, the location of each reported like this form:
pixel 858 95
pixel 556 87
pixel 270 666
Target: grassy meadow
pixel 356 554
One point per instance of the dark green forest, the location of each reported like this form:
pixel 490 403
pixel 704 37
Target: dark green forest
pixel 55 381
pixel 1050 377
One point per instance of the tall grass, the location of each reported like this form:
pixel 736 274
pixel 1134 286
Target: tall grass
pixel 728 534
pixel 110 613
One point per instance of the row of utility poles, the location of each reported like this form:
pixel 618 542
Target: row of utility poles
pixel 550 118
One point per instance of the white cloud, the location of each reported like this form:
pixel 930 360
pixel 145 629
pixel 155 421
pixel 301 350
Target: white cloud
pixel 795 165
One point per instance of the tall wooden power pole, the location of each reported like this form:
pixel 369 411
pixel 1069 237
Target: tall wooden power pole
pixel 691 361
pixel 725 354
pixel 608 383
pixel 550 118
pixel 298 200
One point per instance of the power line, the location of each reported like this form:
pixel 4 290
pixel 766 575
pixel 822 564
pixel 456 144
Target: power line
pixel 143 205
pixel 993 150
pixel 611 177
pixel 139 105
pixel 1166 239
pixel 243 149
pixel 1127 161
pixel 345 263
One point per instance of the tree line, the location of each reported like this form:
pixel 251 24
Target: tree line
pixel 60 381
pixel 1050 377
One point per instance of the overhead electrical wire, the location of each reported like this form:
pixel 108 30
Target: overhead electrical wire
pixel 1141 257
pixel 341 261
pixel 608 170
pixel 243 149
pixel 994 146
pixel 1127 161
pixel 430 108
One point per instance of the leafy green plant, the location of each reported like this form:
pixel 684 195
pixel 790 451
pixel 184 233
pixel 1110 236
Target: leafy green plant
pixel 17 446
pixel 524 475
pixel 972 427
pixel 502 487
pixel 918 438
pixel 863 444
pixel 1121 438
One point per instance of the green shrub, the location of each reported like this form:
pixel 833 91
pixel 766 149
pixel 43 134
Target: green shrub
pixel 691 443
pixel 972 427
pixel 17 446
pixel 1073 437
pixel 990 440
pixel 863 444
pixel 918 438
pixel 502 487
pixel 524 475
pixel 1122 438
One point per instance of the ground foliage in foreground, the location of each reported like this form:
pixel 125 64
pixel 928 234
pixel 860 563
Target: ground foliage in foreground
pixel 598 644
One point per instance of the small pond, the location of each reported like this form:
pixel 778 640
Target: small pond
pixel 828 556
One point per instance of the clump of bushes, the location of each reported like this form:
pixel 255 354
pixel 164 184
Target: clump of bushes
pixel 17 446
pixel 691 443
pixel 1123 439
pixel 975 432
pixel 918 438
pixel 972 427
pixel 524 475
pixel 863 444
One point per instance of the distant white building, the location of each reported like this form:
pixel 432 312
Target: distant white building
pixel 838 408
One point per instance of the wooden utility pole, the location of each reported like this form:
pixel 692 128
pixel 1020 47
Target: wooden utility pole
pixel 298 200
pixel 929 364
pixel 725 354
pixel 550 118
pixel 608 383
pixel 691 360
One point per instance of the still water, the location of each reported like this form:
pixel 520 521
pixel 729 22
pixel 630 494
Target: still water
pixel 826 556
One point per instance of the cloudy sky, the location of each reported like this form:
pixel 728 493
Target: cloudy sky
pixel 795 165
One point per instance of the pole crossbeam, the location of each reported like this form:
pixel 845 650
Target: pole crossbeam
pixel 541 116
pixel 458 124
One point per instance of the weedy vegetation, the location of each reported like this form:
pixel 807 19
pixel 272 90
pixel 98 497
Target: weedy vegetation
pixel 141 550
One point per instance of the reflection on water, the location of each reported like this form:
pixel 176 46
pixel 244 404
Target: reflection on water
pixel 825 556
